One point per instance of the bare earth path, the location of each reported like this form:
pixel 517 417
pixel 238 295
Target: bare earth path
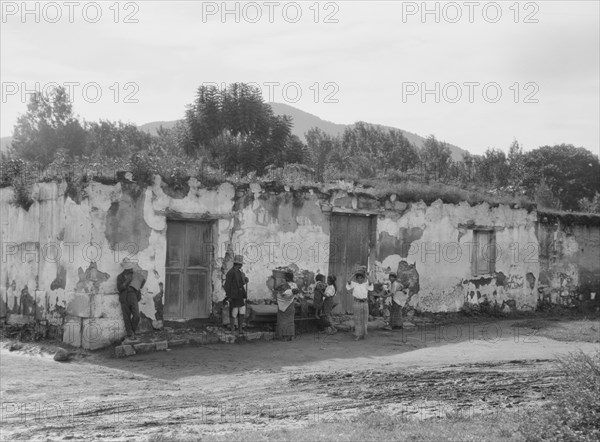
pixel 199 391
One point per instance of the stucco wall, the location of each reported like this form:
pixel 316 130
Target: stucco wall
pixel 436 242
pixel 569 262
pixel 60 259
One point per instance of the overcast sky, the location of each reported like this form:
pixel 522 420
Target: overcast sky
pixel 368 61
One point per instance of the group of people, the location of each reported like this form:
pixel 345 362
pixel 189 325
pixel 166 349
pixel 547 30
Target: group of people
pixel 132 279
pixel 360 285
pixel 288 295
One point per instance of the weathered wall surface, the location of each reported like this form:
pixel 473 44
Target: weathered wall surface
pixel 61 258
pixel 569 261
pixel 432 246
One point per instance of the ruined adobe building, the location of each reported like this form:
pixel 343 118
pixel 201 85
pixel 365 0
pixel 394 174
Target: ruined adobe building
pixel 60 258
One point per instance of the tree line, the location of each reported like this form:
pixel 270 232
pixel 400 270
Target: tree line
pixel 235 131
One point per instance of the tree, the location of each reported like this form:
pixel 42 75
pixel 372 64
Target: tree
pixel 516 164
pixel 47 126
pixel 435 154
pixel 493 168
pixel 590 205
pixel 115 139
pixel 570 172
pixel 321 150
pixel 235 128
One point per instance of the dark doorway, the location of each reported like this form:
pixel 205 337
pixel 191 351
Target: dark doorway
pixel 188 287
pixel 352 244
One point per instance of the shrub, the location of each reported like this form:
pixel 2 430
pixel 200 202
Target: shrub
pixel 574 413
pixel 10 170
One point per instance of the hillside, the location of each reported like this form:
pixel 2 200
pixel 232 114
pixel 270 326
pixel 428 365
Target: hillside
pixel 303 121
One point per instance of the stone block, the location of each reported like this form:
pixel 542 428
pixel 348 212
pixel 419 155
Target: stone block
pixel 145 347
pixel 178 342
pixel 400 206
pixel 162 345
pixel 72 332
pixel 101 332
pixel 124 350
pixel 80 305
pixel 227 338
pixel 62 355
pixel 105 305
pixel 206 338
pixel 253 336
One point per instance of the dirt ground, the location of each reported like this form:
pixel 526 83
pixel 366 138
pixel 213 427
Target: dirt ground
pixel 204 391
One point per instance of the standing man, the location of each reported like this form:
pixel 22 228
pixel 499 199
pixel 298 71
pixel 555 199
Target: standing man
pixel 360 287
pixel 129 284
pixel 235 292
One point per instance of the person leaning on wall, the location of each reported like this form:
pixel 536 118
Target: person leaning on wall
pixel 129 285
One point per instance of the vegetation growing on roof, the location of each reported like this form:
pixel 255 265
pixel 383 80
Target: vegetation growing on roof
pixel 232 135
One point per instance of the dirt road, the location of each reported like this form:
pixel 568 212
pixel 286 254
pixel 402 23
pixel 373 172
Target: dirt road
pixel 198 391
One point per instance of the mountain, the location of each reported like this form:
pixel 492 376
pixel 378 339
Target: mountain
pixel 152 128
pixel 303 121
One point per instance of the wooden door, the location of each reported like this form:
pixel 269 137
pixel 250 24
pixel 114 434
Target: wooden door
pixel 352 241
pixel 188 288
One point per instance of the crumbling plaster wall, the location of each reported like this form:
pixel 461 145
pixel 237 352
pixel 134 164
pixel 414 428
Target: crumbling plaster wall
pixel 437 240
pixel 60 259
pixel 280 229
pixel 570 262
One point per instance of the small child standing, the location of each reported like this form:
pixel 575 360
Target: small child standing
pixel 319 292
pixel 158 302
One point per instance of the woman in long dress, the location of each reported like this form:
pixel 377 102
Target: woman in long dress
pixel 286 295
pixel 397 295
pixel 330 292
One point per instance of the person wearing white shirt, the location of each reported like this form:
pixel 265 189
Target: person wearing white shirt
pixel 360 288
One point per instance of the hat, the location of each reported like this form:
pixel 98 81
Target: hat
pixel 128 264
pixel 361 270
pixel 238 259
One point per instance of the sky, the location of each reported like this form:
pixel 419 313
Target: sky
pixel 475 74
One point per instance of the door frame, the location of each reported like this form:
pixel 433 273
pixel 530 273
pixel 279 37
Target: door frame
pixel 212 225
pixel 371 256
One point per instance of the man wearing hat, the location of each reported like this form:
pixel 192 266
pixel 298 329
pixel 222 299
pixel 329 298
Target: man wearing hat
pixel 360 286
pixel 235 292
pixel 129 284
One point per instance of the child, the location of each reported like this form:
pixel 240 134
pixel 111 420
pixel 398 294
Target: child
pixel 330 292
pixel 319 292
pixel 158 303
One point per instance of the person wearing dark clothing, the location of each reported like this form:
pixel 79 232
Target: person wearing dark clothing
pixel 158 303
pixel 235 292
pixel 129 285
pixel 319 292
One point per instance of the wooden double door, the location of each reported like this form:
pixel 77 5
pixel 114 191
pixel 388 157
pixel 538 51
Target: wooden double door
pixel 352 244
pixel 188 285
